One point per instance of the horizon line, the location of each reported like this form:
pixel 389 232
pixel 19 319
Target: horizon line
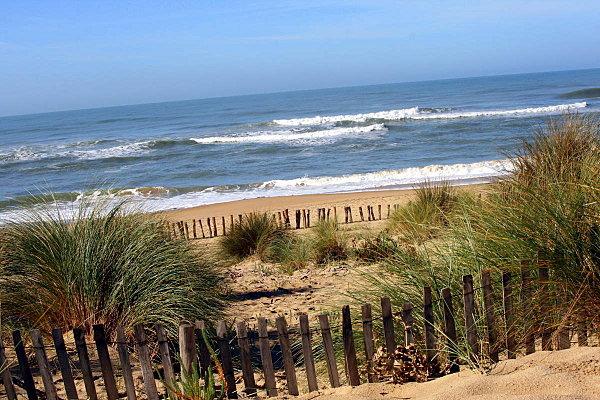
pixel 290 91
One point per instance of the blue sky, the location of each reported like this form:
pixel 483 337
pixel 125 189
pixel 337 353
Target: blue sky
pixel 57 55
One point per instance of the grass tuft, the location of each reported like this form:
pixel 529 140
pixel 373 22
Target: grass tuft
pixel 252 235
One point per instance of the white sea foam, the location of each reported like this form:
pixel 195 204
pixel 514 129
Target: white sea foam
pixel 292 136
pixel 159 198
pixel 417 113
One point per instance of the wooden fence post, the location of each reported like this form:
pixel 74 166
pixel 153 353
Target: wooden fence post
pixel 202 349
pixel 43 365
pixel 308 218
pixel 367 323
pixel 226 362
pixel 215 230
pixel 64 364
pixel 490 320
pixel 544 277
pixel 9 388
pixel 379 211
pixel 265 356
pixel 430 342
pixel 187 347
pixel 202 228
pixel 360 212
pixel 298 219
pixel 469 310
pixel 84 362
pixel 246 361
pixel 195 233
pixel 525 304
pixel 108 374
pixel 165 355
pixel 24 368
pixel 141 348
pixel 388 325
pixel 349 350
pixel 334 377
pixel 582 338
pixel 309 361
pixel 508 314
pixel 125 364
pixel 286 353
pixel 187 230
pixel 408 320
pixel 450 330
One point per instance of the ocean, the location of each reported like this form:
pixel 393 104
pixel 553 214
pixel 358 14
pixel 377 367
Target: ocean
pixel 187 153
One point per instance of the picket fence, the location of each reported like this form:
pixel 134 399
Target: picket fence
pixel 288 347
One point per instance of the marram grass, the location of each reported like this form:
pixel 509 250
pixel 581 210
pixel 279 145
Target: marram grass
pixel 101 264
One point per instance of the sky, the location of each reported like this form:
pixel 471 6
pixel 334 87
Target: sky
pixel 59 55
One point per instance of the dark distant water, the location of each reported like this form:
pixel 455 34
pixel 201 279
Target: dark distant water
pixel 194 152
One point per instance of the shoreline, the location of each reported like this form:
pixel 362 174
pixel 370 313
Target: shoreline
pixel 306 201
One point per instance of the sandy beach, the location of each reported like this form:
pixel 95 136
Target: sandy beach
pixel 308 201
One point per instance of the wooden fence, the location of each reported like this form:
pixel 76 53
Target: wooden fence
pixel 209 227
pixel 486 329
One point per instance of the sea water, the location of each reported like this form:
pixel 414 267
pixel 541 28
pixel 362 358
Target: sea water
pixel 187 153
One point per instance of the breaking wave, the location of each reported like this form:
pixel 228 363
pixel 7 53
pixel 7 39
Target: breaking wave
pixel 418 113
pixel 292 136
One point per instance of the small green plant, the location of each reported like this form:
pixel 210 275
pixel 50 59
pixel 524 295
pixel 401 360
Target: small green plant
pixel 329 242
pixel 424 217
pixel 376 248
pixel 252 236
pixel 292 253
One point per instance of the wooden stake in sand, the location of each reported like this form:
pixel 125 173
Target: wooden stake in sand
pixel 332 371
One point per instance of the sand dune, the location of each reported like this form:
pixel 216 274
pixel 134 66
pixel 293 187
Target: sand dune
pixel 566 374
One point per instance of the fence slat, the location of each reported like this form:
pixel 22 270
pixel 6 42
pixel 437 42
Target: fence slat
pixel 84 362
pixel 408 320
pixel 165 354
pixel 332 371
pixel 247 371
pixel 24 368
pixel 141 348
pixel 125 363
pixel 203 353
pixel 469 310
pixel 430 342
pixel 349 350
pixel 226 362
pixel 509 317
pixel 367 324
pixel 286 352
pixel 9 388
pixel 64 364
pixel 187 348
pixel 544 277
pixel 450 330
pixel 388 325
pixel 43 365
pixel 108 375
pixel 525 304
pixel 309 360
pixel 490 319
pixel 265 357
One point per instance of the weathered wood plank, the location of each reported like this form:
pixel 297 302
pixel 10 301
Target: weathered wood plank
pixel 490 318
pixel 247 370
pixel 450 330
pixel 226 362
pixel 367 324
pixel 349 350
pixel 165 354
pixel 187 348
pixel 430 340
pixel 141 348
pixel 9 388
pixel 309 360
pixel 509 317
pixel 332 371
pixel 108 375
pixel 388 325
pixel 408 321
pixel 24 368
pixel 526 304
pixel 469 311
pixel 125 362
pixel 265 357
pixel 64 364
pixel 286 352
pixel 43 365
pixel 84 362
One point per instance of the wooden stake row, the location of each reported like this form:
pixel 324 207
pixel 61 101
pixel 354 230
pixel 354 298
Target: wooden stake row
pixel 498 335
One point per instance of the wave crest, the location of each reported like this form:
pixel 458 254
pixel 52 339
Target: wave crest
pixel 418 113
